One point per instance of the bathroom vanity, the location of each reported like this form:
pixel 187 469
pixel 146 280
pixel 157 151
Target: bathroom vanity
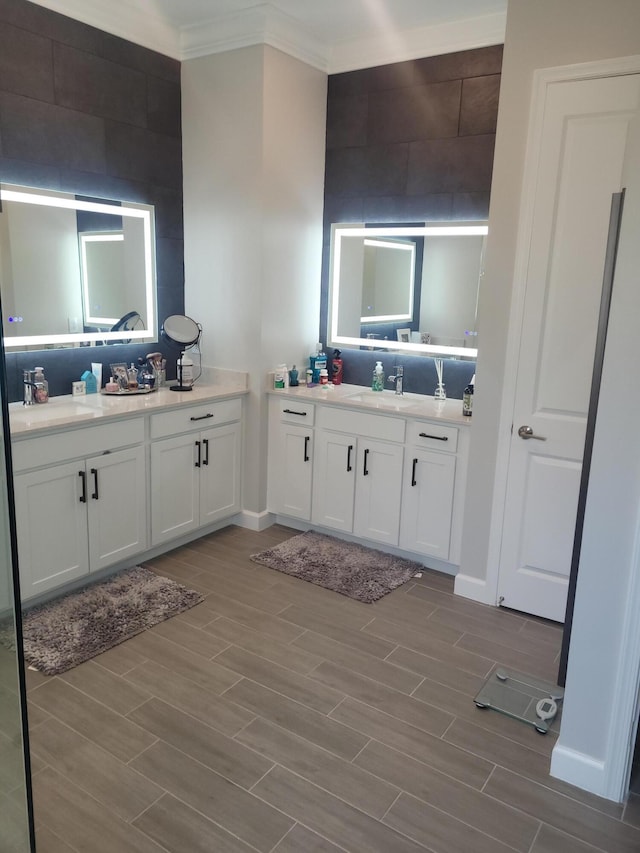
pixel 102 480
pixel 383 468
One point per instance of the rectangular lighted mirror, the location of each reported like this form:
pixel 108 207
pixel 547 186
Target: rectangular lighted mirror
pixel 393 282
pixel 75 270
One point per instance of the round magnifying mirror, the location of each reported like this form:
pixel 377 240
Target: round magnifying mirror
pixel 181 330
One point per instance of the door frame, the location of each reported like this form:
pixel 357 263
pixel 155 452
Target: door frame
pixel 610 778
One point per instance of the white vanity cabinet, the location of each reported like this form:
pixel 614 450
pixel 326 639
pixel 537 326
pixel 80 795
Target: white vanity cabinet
pixel 195 467
pixel 81 515
pixel 357 477
pixel 291 439
pixel 429 483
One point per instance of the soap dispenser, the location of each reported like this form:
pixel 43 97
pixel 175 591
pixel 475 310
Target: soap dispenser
pixel 377 383
pixel 41 391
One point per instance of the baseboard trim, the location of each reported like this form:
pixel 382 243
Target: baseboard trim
pixel 579 769
pixel 473 588
pixel 257 521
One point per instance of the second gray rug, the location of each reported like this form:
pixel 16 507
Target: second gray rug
pixel 345 567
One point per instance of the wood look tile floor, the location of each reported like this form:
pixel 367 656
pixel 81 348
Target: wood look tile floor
pixel 279 716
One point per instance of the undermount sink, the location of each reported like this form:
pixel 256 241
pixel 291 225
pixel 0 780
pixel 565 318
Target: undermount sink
pixel 385 399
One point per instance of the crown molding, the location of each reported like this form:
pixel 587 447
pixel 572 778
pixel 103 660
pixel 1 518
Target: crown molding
pixel 418 42
pixel 124 19
pixel 262 24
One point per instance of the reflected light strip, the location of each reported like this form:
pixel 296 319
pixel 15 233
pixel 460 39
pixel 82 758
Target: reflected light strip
pixel 70 203
pixel 113 237
pixel 93 337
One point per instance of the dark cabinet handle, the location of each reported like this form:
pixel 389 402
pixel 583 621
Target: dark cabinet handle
pixel 202 417
pixel 366 459
pixel 413 473
pixel 83 496
pixel 437 437
pixel 349 452
pixel 95 496
pixel 205 461
pixel 199 446
pixel 292 412
pixel 307 438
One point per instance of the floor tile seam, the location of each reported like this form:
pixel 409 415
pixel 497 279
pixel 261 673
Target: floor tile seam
pixel 440 661
pixel 66 842
pixel 125 672
pixel 349 805
pixel 588 844
pixel 315 831
pixel 314 681
pixel 510 649
pixel 470 825
pixel 295 648
pixel 535 838
pixel 180 645
pixel 317 630
pixel 163 793
pixel 557 793
pixel 462 615
pixel 510 740
pixel 394 716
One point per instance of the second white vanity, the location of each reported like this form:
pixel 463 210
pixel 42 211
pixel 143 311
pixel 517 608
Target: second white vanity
pixel 381 467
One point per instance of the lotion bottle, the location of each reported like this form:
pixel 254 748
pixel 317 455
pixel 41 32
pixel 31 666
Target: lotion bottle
pixel 377 384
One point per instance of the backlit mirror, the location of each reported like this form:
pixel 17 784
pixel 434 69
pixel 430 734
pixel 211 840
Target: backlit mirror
pixel 406 288
pixel 71 268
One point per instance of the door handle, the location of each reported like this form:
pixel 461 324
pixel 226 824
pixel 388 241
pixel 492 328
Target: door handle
pixel 526 432
pixel 199 446
pixel 94 471
pixel 83 496
pixel 366 459
pixel 202 417
pixel 205 461
pixel 306 447
pixel 413 473
pixel 292 412
pixel 349 452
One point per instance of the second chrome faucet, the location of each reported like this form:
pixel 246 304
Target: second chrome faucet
pixel 398 378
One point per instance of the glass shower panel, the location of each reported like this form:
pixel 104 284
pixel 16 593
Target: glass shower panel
pixel 16 819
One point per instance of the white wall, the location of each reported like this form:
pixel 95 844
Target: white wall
pixel 253 150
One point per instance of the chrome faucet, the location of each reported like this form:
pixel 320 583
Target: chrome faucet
pixel 29 386
pixel 398 378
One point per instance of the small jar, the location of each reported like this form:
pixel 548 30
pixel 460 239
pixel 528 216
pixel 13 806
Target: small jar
pixel 309 375
pixel 324 376
pixel 112 386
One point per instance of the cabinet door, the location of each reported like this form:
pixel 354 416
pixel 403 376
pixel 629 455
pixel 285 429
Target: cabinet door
pixel 220 473
pixel 51 520
pixel 117 506
pixel 427 502
pixel 378 491
pixel 334 462
pixel 295 470
pixel 174 488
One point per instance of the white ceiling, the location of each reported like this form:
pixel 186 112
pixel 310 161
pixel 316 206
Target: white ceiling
pixel 334 35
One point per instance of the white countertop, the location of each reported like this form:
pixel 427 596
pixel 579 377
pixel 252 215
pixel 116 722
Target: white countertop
pixel 384 402
pixel 65 411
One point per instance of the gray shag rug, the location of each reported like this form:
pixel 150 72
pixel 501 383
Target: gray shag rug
pixel 61 634
pixel 345 567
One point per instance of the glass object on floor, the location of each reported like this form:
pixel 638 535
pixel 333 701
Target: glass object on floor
pixel 522 697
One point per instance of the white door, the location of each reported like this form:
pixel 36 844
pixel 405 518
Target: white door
pixel 334 480
pixel 220 473
pixel 581 153
pixel 174 488
pixel 295 471
pixel 117 505
pixel 378 491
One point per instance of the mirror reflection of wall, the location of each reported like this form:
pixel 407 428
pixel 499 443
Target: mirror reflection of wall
pixel 388 280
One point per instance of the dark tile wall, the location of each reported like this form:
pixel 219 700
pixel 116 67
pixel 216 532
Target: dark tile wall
pixel 410 142
pixel 86 112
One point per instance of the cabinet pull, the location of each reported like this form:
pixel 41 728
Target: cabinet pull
pixel 205 461
pixel 201 417
pixel 292 412
pixel 366 459
pixel 199 446
pixel 349 452
pixel 83 496
pixel 437 437
pixel 94 495
pixel 306 447
pixel 413 473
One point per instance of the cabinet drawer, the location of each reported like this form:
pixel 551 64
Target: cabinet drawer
pixel 193 418
pixel 295 412
pixel 76 443
pixel 362 423
pixel 432 435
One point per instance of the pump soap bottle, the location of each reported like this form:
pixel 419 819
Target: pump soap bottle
pixel 377 383
pixel 336 368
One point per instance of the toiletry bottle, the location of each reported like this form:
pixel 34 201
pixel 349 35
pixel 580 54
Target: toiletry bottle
pixel 324 376
pixel 293 377
pixel 41 391
pixel 132 377
pixel 278 376
pixel 467 398
pixel 378 377
pixel 187 369
pixel 309 377
pixel 317 362
pixel 336 368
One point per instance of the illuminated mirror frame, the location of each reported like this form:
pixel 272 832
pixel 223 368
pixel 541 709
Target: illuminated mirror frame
pixel 144 212
pixel 340 231
pixel 398 245
pixel 85 238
